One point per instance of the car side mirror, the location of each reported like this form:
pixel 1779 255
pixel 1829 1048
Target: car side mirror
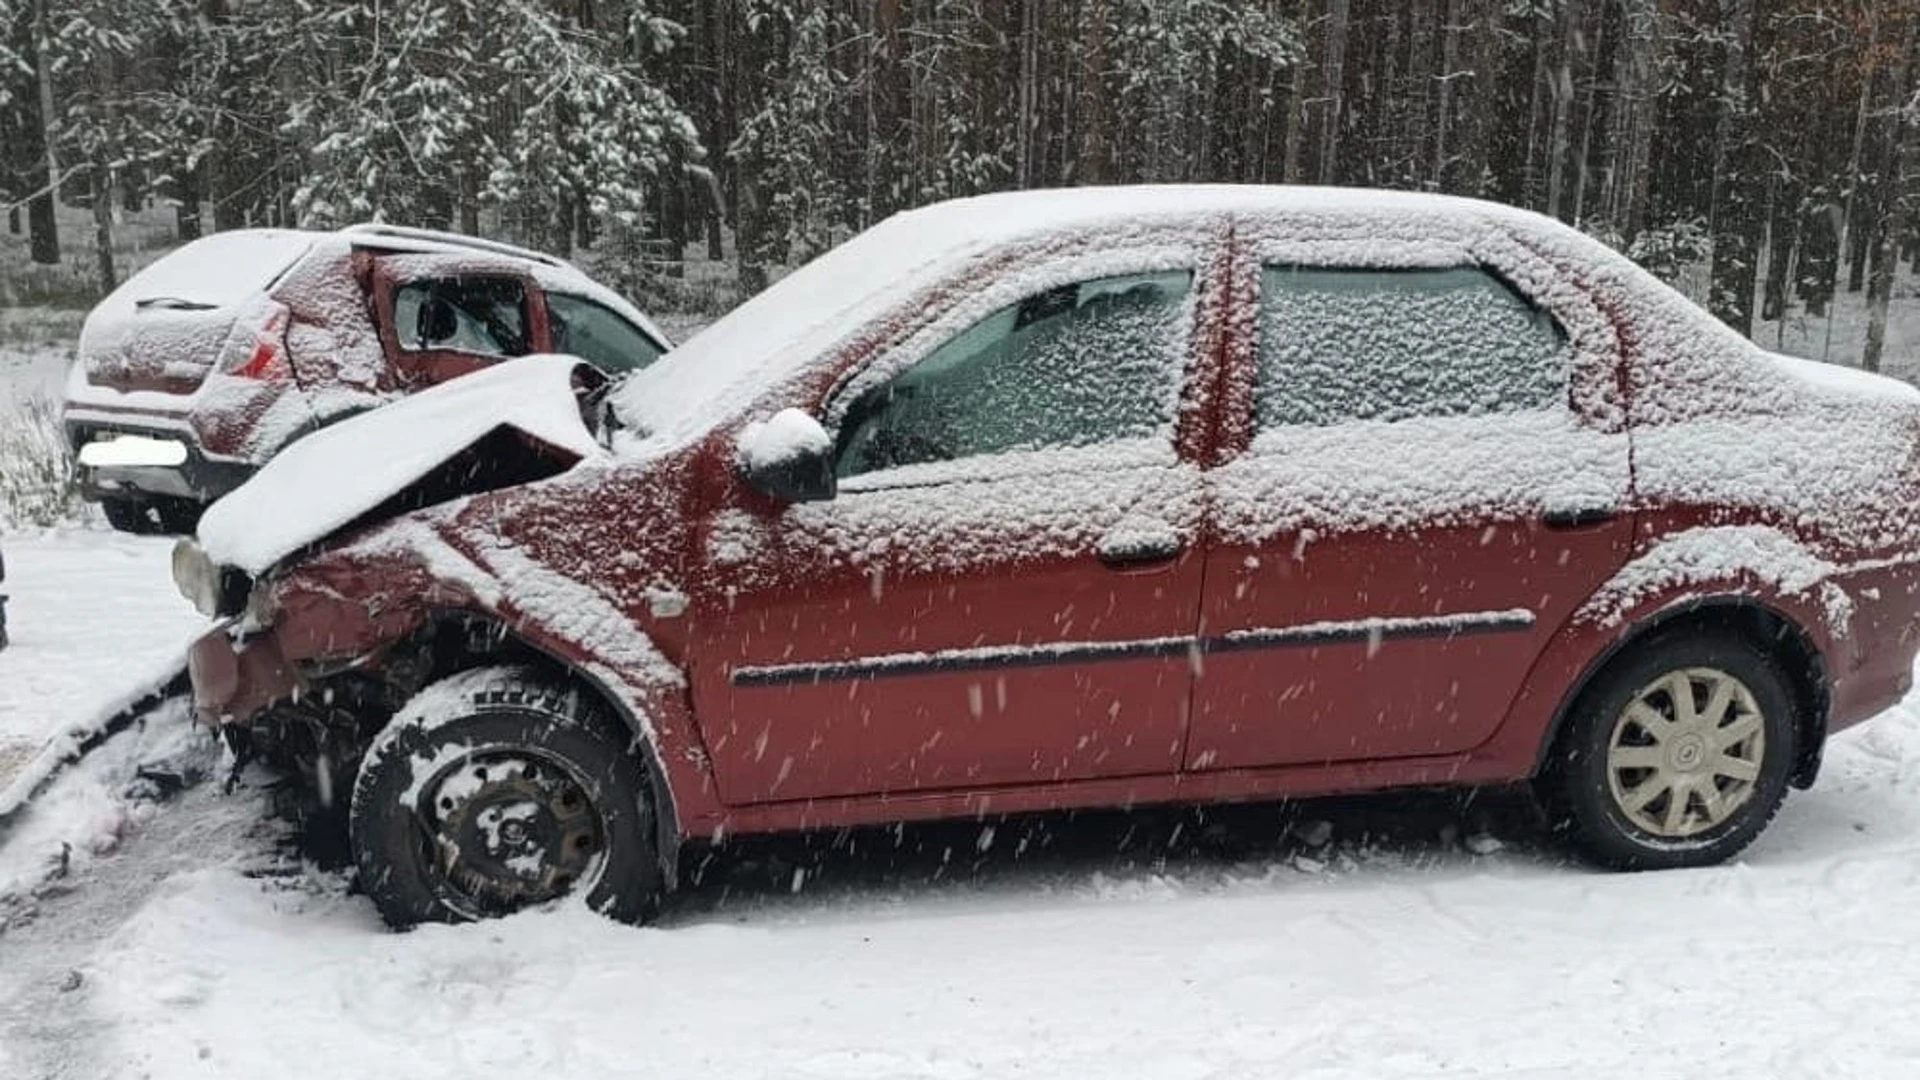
pixel 436 321
pixel 789 457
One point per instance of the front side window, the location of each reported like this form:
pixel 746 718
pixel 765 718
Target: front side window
pixel 1349 344
pixel 598 335
pixel 1083 364
pixel 478 315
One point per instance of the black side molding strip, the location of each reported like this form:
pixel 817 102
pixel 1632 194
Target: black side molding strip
pixel 1001 657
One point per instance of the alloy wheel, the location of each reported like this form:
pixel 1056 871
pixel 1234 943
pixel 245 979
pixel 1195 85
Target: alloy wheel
pixel 1686 752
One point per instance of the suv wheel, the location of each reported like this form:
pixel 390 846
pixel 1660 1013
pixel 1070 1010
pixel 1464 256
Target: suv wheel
pixel 152 517
pixel 1677 755
pixel 131 516
pixel 495 790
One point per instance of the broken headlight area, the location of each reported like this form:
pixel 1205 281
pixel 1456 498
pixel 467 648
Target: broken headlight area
pixel 214 591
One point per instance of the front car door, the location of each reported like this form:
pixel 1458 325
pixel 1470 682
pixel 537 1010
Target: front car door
pixel 443 316
pixel 1005 588
pixel 1433 473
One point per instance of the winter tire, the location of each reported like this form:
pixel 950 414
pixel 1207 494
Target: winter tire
pixel 152 517
pixel 132 516
pixel 495 790
pixel 1677 755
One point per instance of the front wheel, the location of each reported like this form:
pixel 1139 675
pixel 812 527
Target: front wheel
pixel 1678 755
pixel 496 790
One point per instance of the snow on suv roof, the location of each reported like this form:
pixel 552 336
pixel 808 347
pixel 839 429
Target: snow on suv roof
pixel 807 312
pixel 405 238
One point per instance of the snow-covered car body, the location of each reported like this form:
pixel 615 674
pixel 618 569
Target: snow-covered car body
pixel 1354 490
pixel 201 367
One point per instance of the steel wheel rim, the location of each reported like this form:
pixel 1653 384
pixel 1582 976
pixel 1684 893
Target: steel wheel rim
pixel 509 828
pixel 1685 753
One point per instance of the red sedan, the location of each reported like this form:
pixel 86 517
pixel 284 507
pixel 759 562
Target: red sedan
pixel 1073 499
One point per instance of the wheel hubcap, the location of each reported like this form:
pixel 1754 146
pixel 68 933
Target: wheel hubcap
pixel 509 829
pixel 1685 753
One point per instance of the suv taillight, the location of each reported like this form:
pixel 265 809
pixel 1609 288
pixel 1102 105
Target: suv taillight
pixel 268 361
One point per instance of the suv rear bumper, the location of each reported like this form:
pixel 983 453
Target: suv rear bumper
pixel 199 478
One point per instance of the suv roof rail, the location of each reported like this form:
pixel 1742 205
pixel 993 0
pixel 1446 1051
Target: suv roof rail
pixel 375 230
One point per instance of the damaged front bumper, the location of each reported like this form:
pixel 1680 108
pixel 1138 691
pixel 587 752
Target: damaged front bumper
pixel 235 677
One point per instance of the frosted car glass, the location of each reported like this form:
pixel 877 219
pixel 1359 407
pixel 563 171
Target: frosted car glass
pixel 1085 364
pixel 1339 345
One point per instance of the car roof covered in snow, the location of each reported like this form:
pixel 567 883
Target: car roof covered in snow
pixel 223 269
pixel 805 314
pixel 214 271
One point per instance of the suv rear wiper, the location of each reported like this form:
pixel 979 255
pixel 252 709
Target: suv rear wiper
pixel 174 303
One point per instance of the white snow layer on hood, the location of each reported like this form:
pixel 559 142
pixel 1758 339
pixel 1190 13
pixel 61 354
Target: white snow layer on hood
pixel 334 475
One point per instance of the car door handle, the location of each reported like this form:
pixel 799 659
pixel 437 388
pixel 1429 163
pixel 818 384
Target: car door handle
pixel 1140 551
pixel 1579 517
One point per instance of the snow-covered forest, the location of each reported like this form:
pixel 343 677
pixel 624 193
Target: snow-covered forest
pixel 1764 148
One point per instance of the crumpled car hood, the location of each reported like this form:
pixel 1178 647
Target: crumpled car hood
pixel 337 475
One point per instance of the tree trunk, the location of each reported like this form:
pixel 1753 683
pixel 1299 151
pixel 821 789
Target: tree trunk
pixel 1559 140
pixel 1733 224
pixel 186 216
pixel 103 228
pixel 1779 247
pixel 1584 163
pixel 1449 71
pixel 1849 236
pixel 1335 84
pixel 1290 171
pixel 43 233
pixel 1531 193
pixel 1892 223
pixel 1630 141
pixel 42 223
pixel 1026 119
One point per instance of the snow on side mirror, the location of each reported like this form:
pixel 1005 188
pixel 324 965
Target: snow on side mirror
pixel 789 456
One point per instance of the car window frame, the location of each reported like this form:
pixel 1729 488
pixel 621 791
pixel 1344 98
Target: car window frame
pixel 1014 315
pixel 1600 382
pixel 1566 349
pixel 922 327
pixel 412 369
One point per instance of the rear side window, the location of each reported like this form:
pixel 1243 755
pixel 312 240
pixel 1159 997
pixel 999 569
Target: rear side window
pixel 1095 362
pixel 1339 345
pixel 479 315
pixel 597 334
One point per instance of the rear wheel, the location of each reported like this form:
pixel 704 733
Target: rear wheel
pixel 1678 755
pixel 496 790
pixel 156 516
pixel 131 516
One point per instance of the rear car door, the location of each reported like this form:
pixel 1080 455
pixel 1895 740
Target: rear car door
pixel 443 316
pixel 1435 474
pixel 1004 590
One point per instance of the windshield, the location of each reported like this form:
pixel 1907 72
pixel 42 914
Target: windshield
pixel 775 334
